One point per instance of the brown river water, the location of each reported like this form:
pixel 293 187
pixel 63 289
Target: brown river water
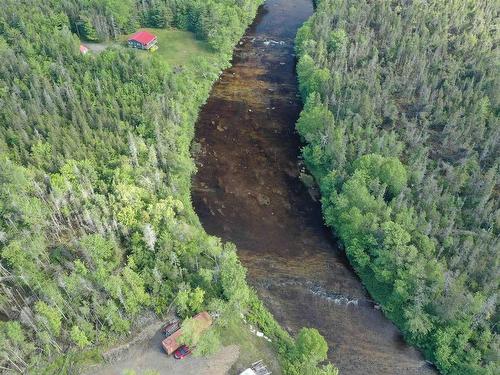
pixel 248 191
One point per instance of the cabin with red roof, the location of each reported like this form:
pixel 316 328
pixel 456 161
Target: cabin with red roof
pixel 143 40
pixel 83 49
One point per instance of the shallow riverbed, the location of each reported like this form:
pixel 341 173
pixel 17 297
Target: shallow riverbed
pixel 248 191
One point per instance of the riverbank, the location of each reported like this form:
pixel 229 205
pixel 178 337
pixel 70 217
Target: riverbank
pixel 248 190
pixel 108 231
pixel 387 159
pixel 143 354
pixel 145 351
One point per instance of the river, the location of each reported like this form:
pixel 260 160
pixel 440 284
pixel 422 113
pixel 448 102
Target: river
pixel 247 191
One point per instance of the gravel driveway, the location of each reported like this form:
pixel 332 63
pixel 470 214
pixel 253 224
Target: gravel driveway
pixel 146 354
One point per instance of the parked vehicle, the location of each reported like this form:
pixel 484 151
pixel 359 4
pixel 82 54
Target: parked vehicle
pixel 172 342
pixel 171 327
pixel 182 352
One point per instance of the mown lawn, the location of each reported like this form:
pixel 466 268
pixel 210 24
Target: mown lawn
pixel 177 47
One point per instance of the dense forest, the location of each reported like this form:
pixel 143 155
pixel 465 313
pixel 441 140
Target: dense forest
pixel 96 223
pixel 401 131
pixel 219 22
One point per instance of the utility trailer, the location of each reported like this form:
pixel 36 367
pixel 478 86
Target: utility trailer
pixel 171 343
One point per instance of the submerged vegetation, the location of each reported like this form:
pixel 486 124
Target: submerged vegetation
pixel 402 134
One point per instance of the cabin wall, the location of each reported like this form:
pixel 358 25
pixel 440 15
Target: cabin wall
pixel 134 44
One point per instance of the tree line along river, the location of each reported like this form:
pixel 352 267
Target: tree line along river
pixel 248 191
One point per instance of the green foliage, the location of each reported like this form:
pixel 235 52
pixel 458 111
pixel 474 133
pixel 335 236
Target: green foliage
pixel 14 344
pixel 189 302
pixel 402 138
pixel 159 15
pixel 96 223
pixel 192 332
pixel 338 40
pixel 79 337
pixel 233 279
pixel 316 80
pixel 50 316
pixel 219 22
pixel 208 344
pixel 86 29
pixel 310 347
pixel 389 170
pixel 299 357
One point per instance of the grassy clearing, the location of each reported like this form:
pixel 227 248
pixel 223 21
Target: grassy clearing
pixel 177 47
pixel 252 347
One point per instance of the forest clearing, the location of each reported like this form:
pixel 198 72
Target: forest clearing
pixel 241 347
pixel 175 47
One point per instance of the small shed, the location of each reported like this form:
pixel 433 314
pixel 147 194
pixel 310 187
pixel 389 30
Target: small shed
pixel 171 343
pixel 143 40
pixel 83 49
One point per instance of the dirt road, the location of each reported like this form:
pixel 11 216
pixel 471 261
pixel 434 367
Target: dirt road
pixel 146 356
